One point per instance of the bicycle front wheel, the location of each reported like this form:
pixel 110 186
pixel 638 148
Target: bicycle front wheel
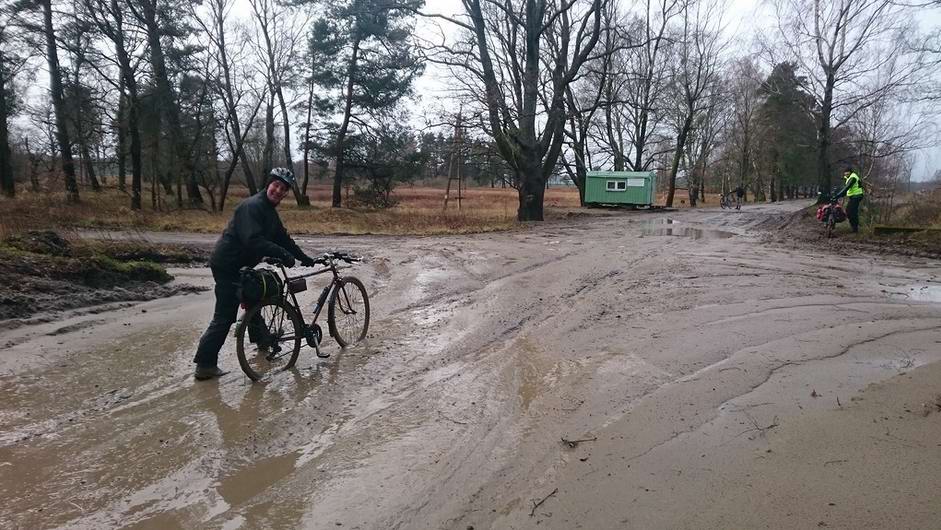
pixel 268 339
pixel 348 312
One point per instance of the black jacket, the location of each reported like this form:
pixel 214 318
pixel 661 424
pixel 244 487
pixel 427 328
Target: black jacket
pixel 254 232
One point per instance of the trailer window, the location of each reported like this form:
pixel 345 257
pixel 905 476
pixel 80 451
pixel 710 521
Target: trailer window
pixel 616 185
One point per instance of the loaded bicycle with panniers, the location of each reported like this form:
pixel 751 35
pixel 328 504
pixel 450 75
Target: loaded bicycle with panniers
pixel 272 329
pixel 830 212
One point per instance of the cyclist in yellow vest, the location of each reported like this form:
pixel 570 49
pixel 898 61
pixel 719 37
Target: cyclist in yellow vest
pixel 854 193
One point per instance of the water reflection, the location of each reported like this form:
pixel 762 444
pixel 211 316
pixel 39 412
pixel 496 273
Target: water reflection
pixel 685 231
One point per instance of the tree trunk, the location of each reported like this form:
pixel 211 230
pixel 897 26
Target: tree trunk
pixel 823 158
pixel 307 124
pixel 823 140
pixel 341 133
pixel 302 200
pixel 675 166
pixel 58 104
pixel 89 166
pixel 239 153
pixel 233 115
pixel 267 156
pixel 167 103
pixel 7 186
pixel 121 149
pixel 132 108
pixel 531 193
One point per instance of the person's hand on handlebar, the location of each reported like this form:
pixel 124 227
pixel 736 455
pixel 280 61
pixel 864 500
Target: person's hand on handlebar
pixel 308 261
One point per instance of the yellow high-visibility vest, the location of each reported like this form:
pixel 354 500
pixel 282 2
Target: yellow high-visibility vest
pixel 855 189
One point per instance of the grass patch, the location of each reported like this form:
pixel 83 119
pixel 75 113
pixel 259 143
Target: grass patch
pixel 420 211
pixel 46 254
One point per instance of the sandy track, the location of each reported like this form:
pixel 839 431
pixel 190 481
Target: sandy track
pixel 706 371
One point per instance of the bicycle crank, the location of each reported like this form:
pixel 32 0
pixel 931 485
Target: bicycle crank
pixel 314 337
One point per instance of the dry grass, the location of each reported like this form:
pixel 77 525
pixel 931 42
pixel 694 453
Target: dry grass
pixel 420 212
pixel 921 209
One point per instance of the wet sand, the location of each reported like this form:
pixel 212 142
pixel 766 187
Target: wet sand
pixel 703 377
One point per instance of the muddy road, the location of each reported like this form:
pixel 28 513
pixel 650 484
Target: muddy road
pixel 701 376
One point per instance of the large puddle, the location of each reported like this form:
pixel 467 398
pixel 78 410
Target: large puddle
pixel 669 227
pixel 920 293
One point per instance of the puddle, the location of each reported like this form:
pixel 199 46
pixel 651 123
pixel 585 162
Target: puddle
pixel 685 231
pixel 669 227
pixel 659 221
pixel 920 293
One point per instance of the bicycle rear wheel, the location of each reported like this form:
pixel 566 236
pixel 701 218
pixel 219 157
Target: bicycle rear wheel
pixel 348 312
pixel 276 330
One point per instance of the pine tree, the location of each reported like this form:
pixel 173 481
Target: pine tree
pixel 361 53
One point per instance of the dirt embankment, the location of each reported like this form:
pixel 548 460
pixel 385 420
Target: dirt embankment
pixel 42 273
pixel 802 228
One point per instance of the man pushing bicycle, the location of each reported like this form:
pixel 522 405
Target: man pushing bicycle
pixel 254 232
pixel 853 190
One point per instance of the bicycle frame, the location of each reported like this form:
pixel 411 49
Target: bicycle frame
pixel 324 295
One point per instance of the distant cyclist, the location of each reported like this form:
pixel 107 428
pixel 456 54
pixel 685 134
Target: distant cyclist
pixel 739 193
pixel 853 190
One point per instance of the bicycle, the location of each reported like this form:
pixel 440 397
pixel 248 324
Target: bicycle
pixel 830 214
pixel 276 324
pixel 725 201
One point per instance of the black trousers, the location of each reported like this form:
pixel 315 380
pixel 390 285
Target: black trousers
pixel 223 316
pixel 852 211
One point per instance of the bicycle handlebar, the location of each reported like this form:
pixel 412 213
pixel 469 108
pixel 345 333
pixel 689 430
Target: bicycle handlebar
pixel 327 257
pixel 324 258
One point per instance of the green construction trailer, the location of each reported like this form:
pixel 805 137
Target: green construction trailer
pixel 620 188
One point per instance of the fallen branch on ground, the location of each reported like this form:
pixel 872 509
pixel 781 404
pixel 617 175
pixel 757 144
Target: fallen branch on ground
pixel 574 443
pixel 532 512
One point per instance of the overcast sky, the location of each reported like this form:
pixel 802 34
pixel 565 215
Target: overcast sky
pixel 744 19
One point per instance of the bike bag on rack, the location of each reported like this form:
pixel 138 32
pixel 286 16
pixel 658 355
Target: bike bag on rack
pixel 297 285
pixel 258 285
pixel 839 214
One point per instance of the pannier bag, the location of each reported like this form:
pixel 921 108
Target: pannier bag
pixel 839 214
pixel 258 285
pixel 297 285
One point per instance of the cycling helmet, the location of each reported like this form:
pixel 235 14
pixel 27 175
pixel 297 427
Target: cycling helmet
pixel 282 174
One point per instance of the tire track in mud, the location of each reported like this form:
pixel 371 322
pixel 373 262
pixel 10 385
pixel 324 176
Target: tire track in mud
pixel 702 301
pixel 632 439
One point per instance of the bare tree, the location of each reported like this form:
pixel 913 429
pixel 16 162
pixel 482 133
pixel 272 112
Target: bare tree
pixel 584 98
pixel 745 85
pixel 702 142
pixel 696 72
pixel 58 102
pixel 637 87
pixel 232 96
pixel 156 16
pixel 504 56
pixel 108 16
pixel 839 44
pixel 282 33
pixel 82 107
